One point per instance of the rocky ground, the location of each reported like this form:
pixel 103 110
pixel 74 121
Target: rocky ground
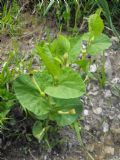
pixel 100 121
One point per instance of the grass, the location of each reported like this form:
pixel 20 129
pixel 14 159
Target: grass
pixel 10 18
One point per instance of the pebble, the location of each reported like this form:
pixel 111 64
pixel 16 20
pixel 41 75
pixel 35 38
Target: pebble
pixel 116 80
pixel 97 110
pixel 108 68
pixel 93 93
pixel 74 66
pixel 93 68
pixel 107 94
pixel 36 60
pixel 105 127
pixel 86 112
pixel 118 116
pixel 87 127
pixel 113 38
pixel 109 150
pixel 111 115
pixel 90 147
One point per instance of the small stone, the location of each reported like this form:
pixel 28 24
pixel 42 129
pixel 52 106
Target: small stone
pixel 93 68
pixel 108 94
pixel 109 150
pixel 105 127
pixel 106 54
pixel 101 103
pixel 80 56
pixel 93 93
pixel 36 60
pixel 108 68
pixel 108 140
pixel 87 127
pixel 119 116
pixel 112 115
pixel 88 56
pixel 86 112
pixel 45 157
pixel 84 44
pixel 114 39
pixel 97 110
pixel 116 80
pixel 115 130
pixel 74 66
pixel 90 147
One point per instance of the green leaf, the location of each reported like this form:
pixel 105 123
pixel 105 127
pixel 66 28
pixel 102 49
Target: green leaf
pixel 95 24
pixel 29 96
pixel 75 43
pixel 70 85
pixel 45 54
pixel 60 46
pixel 83 63
pixel 43 79
pixel 99 44
pixel 5 108
pixel 66 105
pixel 106 11
pixel 38 131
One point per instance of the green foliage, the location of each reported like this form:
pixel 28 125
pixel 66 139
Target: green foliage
pixel 48 60
pixel 38 130
pixel 61 45
pixel 71 15
pixel 107 13
pixel 97 44
pixel 46 105
pixel 53 93
pixel 69 85
pixel 96 25
pixel 68 13
pixel 9 18
pixel 6 93
pixel 9 71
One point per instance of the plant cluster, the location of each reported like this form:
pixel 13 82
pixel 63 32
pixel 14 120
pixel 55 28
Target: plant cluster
pixel 9 70
pixel 9 17
pixel 53 93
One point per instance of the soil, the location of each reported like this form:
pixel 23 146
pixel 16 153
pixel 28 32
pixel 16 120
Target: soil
pixel 100 121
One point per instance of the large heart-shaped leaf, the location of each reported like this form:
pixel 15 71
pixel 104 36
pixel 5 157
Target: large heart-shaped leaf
pixel 29 96
pixel 70 85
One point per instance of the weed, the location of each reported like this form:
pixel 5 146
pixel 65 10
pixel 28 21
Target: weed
pixel 12 68
pixel 10 19
pixel 52 94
